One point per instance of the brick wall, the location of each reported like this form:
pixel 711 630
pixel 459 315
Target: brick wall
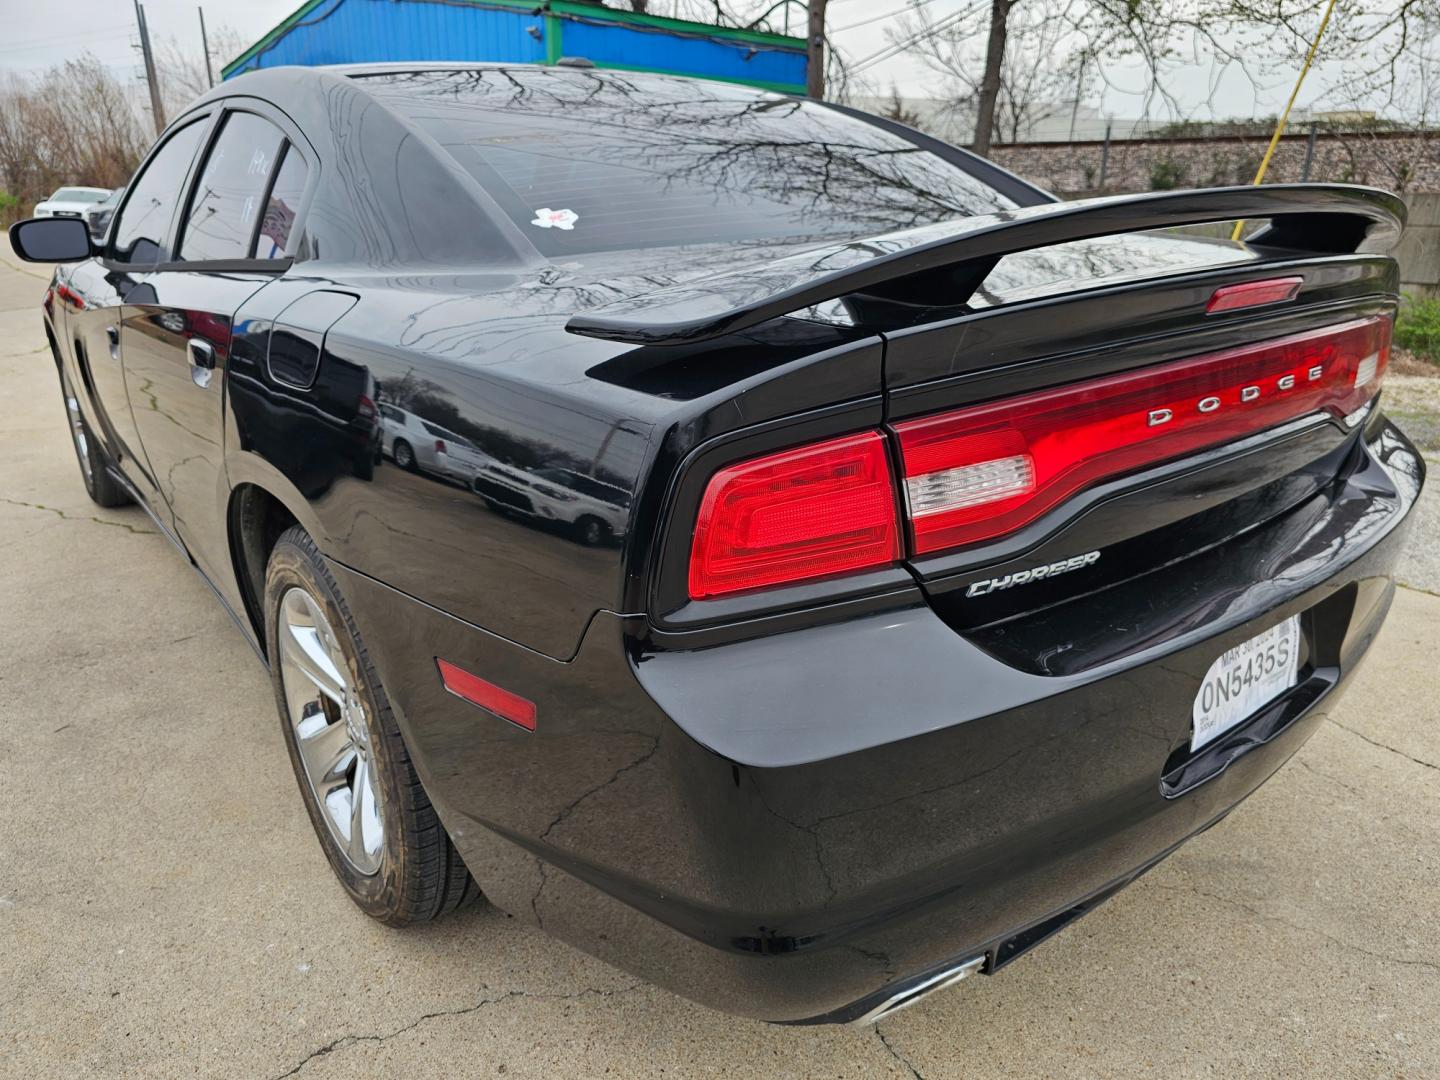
pixel 1399 161
pixel 1408 163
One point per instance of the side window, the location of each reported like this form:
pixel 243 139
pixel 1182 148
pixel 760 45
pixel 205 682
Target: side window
pixel 226 204
pixel 281 206
pixel 140 234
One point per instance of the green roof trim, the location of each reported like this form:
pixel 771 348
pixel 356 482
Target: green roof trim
pixel 563 9
pixel 554 39
pixel 276 32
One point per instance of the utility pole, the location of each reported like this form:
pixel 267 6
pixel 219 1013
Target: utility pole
pixel 815 51
pixel 205 45
pixel 156 108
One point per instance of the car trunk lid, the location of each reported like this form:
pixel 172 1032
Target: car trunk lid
pixel 1232 420
pixel 1062 307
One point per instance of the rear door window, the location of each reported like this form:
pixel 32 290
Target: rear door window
pixel 443 433
pixel 282 205
pixel 226 206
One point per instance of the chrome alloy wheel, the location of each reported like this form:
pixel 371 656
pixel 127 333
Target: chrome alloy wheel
pixel 331 730
pixel 77 431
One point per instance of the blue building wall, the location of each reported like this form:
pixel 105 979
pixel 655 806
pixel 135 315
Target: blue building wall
pixel 361 31
pixel 621 46
pixel 347 31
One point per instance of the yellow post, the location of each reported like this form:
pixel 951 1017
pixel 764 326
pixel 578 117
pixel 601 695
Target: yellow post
pixel 1284 116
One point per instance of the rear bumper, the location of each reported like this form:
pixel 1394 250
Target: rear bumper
pixel 797 827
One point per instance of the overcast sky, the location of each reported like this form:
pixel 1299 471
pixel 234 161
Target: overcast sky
pixel 37 37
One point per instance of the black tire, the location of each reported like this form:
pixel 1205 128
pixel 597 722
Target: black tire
pixel 592 531
pixel 404 455
pixel 420 874
pixel 100 485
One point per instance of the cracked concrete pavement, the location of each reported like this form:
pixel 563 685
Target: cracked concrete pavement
pixel 165 910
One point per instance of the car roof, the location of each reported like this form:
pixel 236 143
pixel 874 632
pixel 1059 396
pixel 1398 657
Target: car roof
pixel 296 76
pixel 326 103
pixel 411 67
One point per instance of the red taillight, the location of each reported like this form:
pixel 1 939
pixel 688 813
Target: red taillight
pixel 981 472
pixel 70 296
pixel 487 695
pixel 440 446
pixel 796 515
pixel 1253 294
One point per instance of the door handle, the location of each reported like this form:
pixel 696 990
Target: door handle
pixel 112 333
pixel 202 361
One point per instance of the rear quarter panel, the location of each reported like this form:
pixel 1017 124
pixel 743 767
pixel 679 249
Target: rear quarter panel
pixel 492 363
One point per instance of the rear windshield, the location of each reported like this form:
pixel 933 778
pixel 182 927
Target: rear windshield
pixel 442 433
pixel 586 161
pixel 585 485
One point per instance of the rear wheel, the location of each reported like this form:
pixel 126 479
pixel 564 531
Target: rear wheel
pixel 404 454
pixel 375 823
pixel 593 532
pixel 103 489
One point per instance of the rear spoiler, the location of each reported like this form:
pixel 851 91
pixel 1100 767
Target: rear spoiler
pixel 1317 218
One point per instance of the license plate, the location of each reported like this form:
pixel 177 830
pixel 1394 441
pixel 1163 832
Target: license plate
pixel 1245 679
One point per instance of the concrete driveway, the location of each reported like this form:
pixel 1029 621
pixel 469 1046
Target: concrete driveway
pixel 166 911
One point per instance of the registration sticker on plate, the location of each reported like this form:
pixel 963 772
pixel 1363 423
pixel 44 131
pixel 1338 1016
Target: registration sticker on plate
pixel 1245 679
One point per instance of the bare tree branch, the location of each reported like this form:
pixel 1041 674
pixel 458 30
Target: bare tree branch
pixel 1105 38
pixel 46 141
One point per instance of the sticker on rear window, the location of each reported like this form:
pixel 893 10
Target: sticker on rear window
pixel 546 218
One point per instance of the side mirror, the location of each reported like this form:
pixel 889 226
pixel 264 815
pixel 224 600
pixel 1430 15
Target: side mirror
pixel 51 240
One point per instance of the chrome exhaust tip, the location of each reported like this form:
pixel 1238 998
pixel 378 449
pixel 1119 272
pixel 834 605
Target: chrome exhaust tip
pixel 903 999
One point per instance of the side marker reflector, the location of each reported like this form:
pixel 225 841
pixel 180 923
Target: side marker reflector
pixel 518 710
pixel 1253 294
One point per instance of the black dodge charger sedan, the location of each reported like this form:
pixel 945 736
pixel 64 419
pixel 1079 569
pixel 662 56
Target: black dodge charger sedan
pixel 782 554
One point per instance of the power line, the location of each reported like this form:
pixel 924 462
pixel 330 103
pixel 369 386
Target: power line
pixel 900 46
pixel 877 18
pixel 64 39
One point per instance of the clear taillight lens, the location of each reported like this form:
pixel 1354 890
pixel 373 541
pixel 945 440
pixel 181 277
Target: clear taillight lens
pixel 978 473
pixel 796 515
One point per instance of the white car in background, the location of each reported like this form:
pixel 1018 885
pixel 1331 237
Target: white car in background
pixel 422 446
pixel 71 202
pixel 591 509
pixel 594 509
